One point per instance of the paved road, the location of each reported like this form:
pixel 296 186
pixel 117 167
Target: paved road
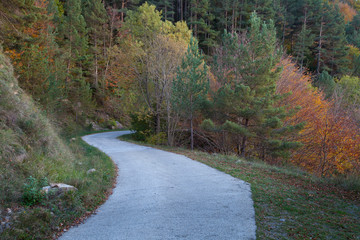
pixel 161 195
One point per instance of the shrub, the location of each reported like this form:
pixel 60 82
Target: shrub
pixel 157 139
pixel 141 124
pixel 32 191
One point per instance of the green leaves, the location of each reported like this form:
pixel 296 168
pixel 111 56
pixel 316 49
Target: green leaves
pixel 191 83
pixel 32 191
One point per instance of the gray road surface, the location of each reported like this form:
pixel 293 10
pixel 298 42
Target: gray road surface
pixel 161 195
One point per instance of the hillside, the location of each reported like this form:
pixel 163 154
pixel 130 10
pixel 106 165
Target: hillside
pixel 27 138
pixel 32 155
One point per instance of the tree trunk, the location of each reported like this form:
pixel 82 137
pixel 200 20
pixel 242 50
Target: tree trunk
pixel 96 65
pixel 244 139
pixel 320 46
pixel 191 132
pixel 158 128
pixel 303 44
pixel 122 12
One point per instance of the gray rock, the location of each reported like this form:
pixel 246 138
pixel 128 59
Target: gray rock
pixel 96 127
pixel 20 158
pixel 91 171
pixel 118 125
pixel 55 187
pixel 46 189
pixel 63 187
pixel 8 210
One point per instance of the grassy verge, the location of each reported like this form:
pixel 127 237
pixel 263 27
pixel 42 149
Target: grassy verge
pixel 289 204
pixel 54 213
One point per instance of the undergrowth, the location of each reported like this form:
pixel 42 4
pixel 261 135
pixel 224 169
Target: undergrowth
pixel 45 218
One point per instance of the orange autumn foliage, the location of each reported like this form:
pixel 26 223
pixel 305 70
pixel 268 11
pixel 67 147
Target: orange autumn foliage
pixel 347 11
pixel 330 138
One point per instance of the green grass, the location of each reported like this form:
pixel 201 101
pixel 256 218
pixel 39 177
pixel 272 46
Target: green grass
pixel 54 213
pixel 289 203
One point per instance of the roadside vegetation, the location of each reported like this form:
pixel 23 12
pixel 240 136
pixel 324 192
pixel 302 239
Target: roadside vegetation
pixel 289 203
pixel 33 155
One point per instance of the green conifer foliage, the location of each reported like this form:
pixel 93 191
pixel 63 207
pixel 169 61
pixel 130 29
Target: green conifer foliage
pixel 245 106
pixel 190 86
pixel 353 31
pixel 96 18
pixel 74 41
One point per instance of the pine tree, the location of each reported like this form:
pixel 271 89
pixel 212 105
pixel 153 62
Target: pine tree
pixel 166 7
pixel 190 86
pixel 245 106
pixel 353 31
pixel 200 21
pixel 96 18
pixel 331 48
pixel 305 38
pixel 325 82
pixel 74 41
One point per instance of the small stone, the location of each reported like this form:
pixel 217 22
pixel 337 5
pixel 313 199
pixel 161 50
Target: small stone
pixel 73 139
pixel 91 171
pixel 46 189
pixel 20 158
pixel 8 210
pixel 282 220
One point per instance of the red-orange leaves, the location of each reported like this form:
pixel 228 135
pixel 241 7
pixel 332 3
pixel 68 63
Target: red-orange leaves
pixel 330 138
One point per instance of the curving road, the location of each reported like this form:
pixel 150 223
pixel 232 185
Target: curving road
pixel 161 195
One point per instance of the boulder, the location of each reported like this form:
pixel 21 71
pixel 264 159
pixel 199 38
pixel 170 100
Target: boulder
pixel 63 187
pixel 91 171
pixel 118 125
pixel 96 127
pixel 55 187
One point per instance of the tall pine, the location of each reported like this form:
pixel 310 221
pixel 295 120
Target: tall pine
pixel 246 105
pixel 190 86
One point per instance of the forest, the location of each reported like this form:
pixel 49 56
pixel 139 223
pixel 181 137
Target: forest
pixel 276 80
pixel 267 91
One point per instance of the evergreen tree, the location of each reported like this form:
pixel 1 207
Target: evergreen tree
pixel 245 106
pixel 200 21
pixel 353 31
pixel 326 83
pixel 96 18
pixel 331 48
pixel 74 41
pixel 166 7
pixel 190 86
pixel 305 38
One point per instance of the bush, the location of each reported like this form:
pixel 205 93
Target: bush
pixel 157 139
pixel 141 124
pixel 32 191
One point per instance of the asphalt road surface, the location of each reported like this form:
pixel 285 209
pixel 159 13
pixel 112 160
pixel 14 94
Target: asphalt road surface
pixel 161 195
